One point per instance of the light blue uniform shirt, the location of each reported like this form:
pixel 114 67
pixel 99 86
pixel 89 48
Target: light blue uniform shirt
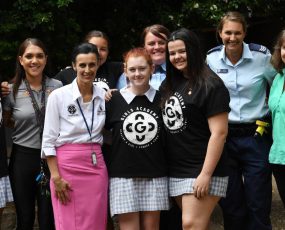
pixel 156 78
pixel 246 80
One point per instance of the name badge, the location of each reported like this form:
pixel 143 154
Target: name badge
pixel 222 71
pixel 94 158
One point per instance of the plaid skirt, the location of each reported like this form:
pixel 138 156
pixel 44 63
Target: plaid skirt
pixel 138 194
pixel 5 191
pixel 180 186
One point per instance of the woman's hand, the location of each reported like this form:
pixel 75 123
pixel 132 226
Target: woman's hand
pixel 201 185
pixel 62 189
pixel 5 89
pixel 108 94
pixel 218 125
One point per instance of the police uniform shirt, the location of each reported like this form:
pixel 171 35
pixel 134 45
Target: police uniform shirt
pixel 156 79
pixel 106 77
pixel 136 123
pixel 246 80
pixel 64 122
pixel 26 131
pixel 185 117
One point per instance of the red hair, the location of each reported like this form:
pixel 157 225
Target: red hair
pixel 138 52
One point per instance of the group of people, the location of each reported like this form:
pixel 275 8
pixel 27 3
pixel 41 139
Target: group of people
pixel 183 132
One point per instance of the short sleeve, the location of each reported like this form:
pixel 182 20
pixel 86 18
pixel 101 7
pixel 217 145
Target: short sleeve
pixel 217 99
pixel 122 82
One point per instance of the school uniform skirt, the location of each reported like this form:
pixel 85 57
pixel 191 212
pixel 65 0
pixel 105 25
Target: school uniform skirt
pixel 87 208
pixel 5 191
pixel 138 194
pixel 179 186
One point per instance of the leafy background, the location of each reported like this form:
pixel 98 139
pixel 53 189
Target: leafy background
pixel 61 24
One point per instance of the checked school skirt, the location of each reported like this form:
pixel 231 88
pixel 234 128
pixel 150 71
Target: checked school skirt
pixel 138 194
pixel 180 186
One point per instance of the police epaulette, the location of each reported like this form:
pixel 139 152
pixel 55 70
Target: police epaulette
pixel 217 48
pixel 258 48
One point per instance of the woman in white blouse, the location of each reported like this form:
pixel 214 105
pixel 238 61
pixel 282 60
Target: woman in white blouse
pixel 72 141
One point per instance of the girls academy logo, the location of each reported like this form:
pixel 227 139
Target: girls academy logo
pixel 140 128
pixel 173 114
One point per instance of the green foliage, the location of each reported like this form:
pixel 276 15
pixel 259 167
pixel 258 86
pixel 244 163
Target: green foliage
pixel 30 18
pixel 61 24
pixel 197 14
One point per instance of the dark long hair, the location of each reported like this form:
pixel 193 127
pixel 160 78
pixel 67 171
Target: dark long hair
pixel 20 72
pixel 196 66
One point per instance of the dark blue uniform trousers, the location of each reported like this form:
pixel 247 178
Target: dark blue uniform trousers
pixel 248 202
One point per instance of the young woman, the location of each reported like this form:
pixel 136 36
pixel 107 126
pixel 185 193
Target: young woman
pixel 108 72
pixel 246 72
pixel 153 39
pixel 277 105
pixel 195 114
pixel 137 169
pixel 24 112
pixel 72 141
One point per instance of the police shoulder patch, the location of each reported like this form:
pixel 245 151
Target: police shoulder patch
pixel 258 48
pixel 217 48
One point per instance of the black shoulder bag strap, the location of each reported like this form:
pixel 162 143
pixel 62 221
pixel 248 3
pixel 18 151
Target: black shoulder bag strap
pixel 42 178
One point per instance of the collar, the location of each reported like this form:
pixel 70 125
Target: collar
pixel 246 53
pixel 76 93
pixel 129 96
pixel 160 68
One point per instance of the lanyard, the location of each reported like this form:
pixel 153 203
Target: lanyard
pixel 89 129
pixel 39 111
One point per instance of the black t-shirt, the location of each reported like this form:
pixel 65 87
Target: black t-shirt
pixel 187 131
pixel 137 147
pixel 106 78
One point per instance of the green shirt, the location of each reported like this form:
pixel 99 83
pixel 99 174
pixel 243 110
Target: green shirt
pixel 277 106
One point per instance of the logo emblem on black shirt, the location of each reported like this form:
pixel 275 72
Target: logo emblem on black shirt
pixel 140 128
pixel 172 113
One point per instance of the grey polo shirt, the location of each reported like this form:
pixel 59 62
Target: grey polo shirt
pixel 26 130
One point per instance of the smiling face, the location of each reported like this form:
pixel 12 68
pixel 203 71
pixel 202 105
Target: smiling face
pixel 178 55
pixel 138 71
pixel 156 47
pixel 86 66
pixel 103 48
pixel 33 61
pixel 232 35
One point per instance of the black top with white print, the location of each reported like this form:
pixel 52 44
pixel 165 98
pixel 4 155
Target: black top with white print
pixel 185 117
pixel 137 135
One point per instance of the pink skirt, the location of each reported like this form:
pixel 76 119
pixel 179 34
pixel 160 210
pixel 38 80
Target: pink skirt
pixel 89 183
